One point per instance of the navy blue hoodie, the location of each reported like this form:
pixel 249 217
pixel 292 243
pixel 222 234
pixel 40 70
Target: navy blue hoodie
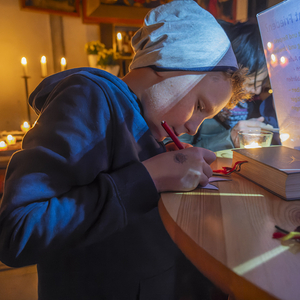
pixel 77 200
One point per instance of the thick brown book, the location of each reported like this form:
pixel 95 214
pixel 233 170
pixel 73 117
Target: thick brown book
pixel 276 168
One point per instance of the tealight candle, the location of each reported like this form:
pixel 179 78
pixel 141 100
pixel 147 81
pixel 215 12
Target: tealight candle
pixel 25 126
pixel 253 145
pixel 3 146
pixel 255 138
pixel 11 140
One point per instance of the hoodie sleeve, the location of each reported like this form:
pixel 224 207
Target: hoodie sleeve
pixel 60 190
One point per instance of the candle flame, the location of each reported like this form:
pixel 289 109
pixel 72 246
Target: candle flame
pixel 253 145
pixel 2 145
pixel 43 59
pixel 26 124
pixel 24 61
pixel 10 139
pixel 63 61
pixel 119 36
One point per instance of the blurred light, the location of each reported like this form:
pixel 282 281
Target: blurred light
pixel 24 61
pixel 284 137
pixel 283 61
pixel 63 61
pixel 63 64
pixel 119 36
pixel 270 46
pixel 273 60
pixel 270 91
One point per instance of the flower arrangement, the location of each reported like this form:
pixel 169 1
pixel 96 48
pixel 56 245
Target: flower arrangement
pixel 107 57
pixel 94 47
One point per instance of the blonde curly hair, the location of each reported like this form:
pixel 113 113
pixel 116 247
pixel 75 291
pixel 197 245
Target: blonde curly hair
pixel 239 92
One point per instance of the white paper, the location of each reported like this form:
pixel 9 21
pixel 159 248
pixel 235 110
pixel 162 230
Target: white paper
pixel 214 179
pixel 280 32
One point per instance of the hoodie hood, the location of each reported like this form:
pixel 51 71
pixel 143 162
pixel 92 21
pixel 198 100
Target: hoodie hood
pixel 38 98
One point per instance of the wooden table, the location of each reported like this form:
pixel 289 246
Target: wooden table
pixel 227 235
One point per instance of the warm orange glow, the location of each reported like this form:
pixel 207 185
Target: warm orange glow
pixel 24 64
pixel 24 61
pixel 283 61
pixel 3 145
pixel 25 126
pixel 11 140
pixel 274 60
pixel 119 36
pixel 44 66
pixel 63 63
pixel 252 145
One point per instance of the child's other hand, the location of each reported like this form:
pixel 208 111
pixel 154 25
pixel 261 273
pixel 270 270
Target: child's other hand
pixel 181 170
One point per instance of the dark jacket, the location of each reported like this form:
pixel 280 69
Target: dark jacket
pixel 77 200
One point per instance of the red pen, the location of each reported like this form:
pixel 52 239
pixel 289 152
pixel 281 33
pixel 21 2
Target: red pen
pixel 171 134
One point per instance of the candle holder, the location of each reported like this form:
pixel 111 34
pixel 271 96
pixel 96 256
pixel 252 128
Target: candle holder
pixel 255 138
pixel 27 98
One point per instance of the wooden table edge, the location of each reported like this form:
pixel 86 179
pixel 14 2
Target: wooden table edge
pixel 228 281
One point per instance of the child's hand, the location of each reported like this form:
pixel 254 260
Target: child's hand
pixel 181 170
pixel 172 147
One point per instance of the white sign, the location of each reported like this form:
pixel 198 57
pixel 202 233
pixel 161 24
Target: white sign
pixel 280 31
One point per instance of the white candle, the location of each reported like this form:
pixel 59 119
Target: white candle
pixel 44 66
pixel 3 145
pixel 25 126
pixel 119 41
pixel 24 64
pixel 63 64
pixel 11 140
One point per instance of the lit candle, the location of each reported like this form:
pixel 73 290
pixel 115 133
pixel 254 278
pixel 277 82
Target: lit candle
pixel 24 64
pixel 44 66
pixel 119 41
pixel 63 64
pixel 25 126
pixel 3 146
pixel 11 140
pixel 284 137
pixel 253 145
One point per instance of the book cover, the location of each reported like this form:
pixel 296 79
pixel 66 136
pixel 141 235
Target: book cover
pixel 276 168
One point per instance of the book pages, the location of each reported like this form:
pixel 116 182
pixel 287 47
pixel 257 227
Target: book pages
pixel 280 32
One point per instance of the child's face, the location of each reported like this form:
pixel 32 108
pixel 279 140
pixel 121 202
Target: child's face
pixel 184 100
pixel 254 85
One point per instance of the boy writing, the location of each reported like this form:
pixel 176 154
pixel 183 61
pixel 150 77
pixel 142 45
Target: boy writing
pixel 80 198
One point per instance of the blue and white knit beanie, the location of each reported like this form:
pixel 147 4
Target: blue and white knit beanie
pixel 180 35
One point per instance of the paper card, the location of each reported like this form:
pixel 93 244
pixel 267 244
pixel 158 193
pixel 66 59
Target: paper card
pixel 214 179
pixel 280 32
